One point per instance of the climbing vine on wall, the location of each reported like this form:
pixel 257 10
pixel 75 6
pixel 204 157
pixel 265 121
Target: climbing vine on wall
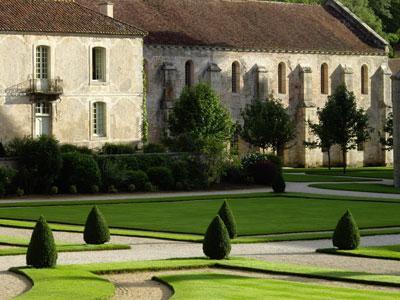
pixel 145 122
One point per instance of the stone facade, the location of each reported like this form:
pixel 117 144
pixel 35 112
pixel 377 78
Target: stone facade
pixel 165 67
pixel 71 112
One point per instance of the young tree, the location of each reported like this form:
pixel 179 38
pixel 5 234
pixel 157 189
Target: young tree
pixel 387 139
pixel 216 243
pixel 96 229
pixel 348 125
pixel 228 218
pixel 346 235
pixel 267 124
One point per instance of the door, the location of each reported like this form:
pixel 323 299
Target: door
pixel 42 118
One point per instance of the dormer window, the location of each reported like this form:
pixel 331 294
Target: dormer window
pixel 99 64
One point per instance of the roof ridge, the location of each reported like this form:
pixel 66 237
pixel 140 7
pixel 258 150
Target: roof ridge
pixel 275 2
pixel 142 32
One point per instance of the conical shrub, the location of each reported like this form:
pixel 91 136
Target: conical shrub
pixel 42 252
pixel 346 235
pixel 278 185
pixel 216 243
pixel 229 220
pixel 96 228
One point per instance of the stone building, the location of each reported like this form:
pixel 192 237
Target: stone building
pixel 68 71
pixel 250 49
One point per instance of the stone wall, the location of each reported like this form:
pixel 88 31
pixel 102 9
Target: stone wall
pixel 70 58
pixel 166 79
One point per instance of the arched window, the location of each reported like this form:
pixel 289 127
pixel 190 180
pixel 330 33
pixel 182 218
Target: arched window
pixel 324 79
pixel 189 73
pixel 99 63
pixel 42 62
pixel 235 77
pixel 99 119
pixel 364 80
pixel 282 78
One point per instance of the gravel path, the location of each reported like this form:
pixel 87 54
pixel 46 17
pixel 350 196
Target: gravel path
pixel 12 285
pixel 140 285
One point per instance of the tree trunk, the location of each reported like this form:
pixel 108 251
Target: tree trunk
pixel 344 153
pixel 329 158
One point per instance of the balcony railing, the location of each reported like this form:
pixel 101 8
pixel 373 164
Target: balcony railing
pixel 45 87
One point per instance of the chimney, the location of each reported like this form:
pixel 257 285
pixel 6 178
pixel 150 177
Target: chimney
pixel 107 8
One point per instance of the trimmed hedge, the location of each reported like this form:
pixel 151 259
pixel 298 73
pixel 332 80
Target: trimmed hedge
pixel 346 235
pixel 65 148
pixel 278 185
pixel 117 149
pixel 228 218
pixel 161 177
pixel 154 148
pixel 42 251
pixel 80 170
pixel 6 177
pixel 96 228
pixel 216 243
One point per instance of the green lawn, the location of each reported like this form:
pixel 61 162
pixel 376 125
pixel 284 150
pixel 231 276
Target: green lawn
pixel 221 286
pixel 81 281
pixel 368 172
pixel 290 177
pixel 263 214
pixel 384 252
pixel 359 187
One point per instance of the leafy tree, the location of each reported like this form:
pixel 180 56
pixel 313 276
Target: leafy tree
pixel 96 228
pixel 228 218
pixel 199 122
pixel 267 124
pixel 348 125
pixel 42 252
pixel 216 243
pixel 387 139
pixel 346 235
pixel 2 150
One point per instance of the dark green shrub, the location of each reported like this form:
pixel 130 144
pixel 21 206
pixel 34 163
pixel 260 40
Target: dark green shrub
pixel 39 163
pixel 54 190
pixel 96 228
pixel 262 167
pixel 137 178
pixel 278 185
pixel 346 235
pixel 94 189
pixel 80 170
pixel 252 158
pixel 154 148
pixel 131 188
pixel 65 148
pixel 42 252
pixel 2 150
pixel 234 173
pixel 6 178
pixel 161 177
pixel 112 189
pixel 117 149
pixel 216 243
pixel 19 192
pixel 148 187
pixel 72 189
pixel 180 171
pixel 228 218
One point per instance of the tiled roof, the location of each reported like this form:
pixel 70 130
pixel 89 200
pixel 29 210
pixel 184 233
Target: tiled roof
pixel 241 24
pixel 59 16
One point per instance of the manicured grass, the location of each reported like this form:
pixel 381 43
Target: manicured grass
pixel 79 282
pixel 384 252
pixel 222 286
pixel 368 172
pixel 267 214
pixel 359 187
pixel 289 177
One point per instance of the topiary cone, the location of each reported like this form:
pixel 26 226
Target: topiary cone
pixel 216 243
pixel 96 228
pixel 228 218
pixel 346 235
pixel 278 185
pixel 42 251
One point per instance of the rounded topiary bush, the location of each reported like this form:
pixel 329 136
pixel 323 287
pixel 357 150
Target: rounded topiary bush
pixel 263 171
pixel 229 220
pixel 96 229
pixel 80 170
pixel 161 177
pixel 346 235
pixel 278 185
pixel 216 243
pixel 137 178
pixel 42 252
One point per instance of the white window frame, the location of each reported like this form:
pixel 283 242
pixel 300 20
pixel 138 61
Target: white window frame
pixel 99 125
pixel 104 63
pixel 42 109
pixel 42 62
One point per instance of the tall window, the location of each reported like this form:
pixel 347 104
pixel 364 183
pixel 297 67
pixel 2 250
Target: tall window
pixel 364 80
pixel 282 78
pixel 189 73
pixel 235 77
pixel 42 62
pixel 324 79
pixel 42 118
pixel 99 63
pixel 99 118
